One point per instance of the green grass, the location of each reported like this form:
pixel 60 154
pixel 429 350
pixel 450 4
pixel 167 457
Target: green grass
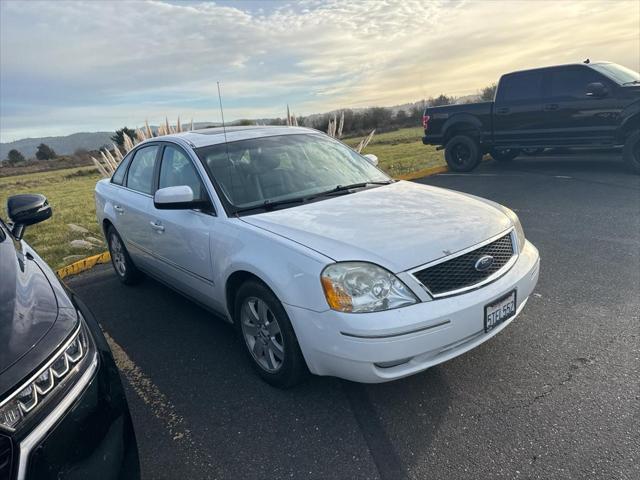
pixel 401 152
pixel 70 193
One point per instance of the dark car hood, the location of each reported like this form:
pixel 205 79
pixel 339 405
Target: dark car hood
pixel 36 315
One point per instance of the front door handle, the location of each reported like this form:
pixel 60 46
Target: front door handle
pixel 157 226
pixel 118 209
pixel 549 107
pixel 502 110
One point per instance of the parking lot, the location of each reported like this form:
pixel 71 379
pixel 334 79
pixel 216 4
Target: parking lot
pixel 555 395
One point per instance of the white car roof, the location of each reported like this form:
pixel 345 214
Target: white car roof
pixel 213 136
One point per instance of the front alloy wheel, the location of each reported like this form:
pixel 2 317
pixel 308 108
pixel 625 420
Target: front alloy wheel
pixel 267 335
pixel 262 334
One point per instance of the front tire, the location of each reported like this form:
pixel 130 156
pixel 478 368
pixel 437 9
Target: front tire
pixel 462 153
pixel 267 335
pixel 631 152
pixel 504 154
pixel 120 259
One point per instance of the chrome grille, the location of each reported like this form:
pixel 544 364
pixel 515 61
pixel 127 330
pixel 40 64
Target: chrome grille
pixel 460 272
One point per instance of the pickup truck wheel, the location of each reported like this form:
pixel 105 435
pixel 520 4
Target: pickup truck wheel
pixel 120 259
pixel 631 152
pixel 462 153
pixel 504 154
pixel 267 335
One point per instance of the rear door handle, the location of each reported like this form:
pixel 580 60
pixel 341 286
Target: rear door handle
pixel 551 106
pixel 118 209
pixel 157 226
pixel 502 110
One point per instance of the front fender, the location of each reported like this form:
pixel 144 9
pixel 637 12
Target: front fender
pixel 290 270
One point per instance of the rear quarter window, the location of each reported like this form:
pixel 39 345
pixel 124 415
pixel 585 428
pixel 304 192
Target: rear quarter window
pixel 118 176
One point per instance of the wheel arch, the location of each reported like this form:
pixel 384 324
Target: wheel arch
pixel 460 124
pixel 233 283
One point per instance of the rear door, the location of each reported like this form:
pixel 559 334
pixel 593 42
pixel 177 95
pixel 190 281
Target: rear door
pixel 517 116
pixel 181 246
pixel 575 118
pixel 133 202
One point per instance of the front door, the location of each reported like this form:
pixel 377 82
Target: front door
pixel 574 117
pixel 181 245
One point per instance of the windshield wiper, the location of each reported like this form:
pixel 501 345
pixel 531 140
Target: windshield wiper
pixel 346 188
pixel 632 82
pixel 270 204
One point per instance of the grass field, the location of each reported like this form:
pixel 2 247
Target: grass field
pixel 70 193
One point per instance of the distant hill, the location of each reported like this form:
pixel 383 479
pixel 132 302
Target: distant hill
pixel 61 145
pixel 70 143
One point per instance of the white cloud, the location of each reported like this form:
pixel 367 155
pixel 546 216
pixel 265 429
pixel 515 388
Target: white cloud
pixel 99 65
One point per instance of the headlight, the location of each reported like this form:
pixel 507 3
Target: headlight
pixel 518 227
pixel 363 287
pixel 35 392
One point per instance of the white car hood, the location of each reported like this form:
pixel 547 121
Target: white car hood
pixel 398 226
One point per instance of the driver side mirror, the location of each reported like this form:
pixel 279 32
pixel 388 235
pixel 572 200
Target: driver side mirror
pixel 596 90
pixel 27 209
pixel 177 198
pixel 373 160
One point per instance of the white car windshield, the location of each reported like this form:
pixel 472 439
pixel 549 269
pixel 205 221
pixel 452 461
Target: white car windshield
pixel 267 170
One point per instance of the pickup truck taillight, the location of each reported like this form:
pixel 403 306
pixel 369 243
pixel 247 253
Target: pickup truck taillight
pixel 425 121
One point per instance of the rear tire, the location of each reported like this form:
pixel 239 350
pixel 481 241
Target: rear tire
pixel 462 153
pixel 631 152
pixel 504 154
pixel 267 336
pixel 120 259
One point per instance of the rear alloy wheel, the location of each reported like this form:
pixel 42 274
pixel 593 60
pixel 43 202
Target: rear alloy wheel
pixel 462 153
pixel 504 154
pixel 268 337
pixel 631 152
pixel 122 264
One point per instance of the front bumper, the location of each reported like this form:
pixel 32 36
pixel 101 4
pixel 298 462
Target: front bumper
pixel 352 346
pixel 89 432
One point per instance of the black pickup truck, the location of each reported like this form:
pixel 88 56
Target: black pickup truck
pixel 576 105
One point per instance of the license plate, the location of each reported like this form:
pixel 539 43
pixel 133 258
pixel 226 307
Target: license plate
pixel 500 310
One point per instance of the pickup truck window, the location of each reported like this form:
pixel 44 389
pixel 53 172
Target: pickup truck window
pixel 572 81
pixel 520 86
pixel 618 73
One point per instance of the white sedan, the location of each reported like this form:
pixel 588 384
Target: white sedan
pixel 323 263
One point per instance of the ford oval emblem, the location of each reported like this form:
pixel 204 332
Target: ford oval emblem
pixel 484 263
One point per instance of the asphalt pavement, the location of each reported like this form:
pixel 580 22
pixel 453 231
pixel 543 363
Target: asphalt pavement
pixel 556 395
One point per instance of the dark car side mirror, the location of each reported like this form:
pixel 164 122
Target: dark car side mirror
pixel 596 89
pixel 27 209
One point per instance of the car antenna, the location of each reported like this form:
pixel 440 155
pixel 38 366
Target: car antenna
pixel 587 61
pixel 224 127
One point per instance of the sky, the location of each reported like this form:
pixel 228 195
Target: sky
pixel 98 65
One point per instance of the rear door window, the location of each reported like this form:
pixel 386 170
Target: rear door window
pixel 572 81
pixel 521 86
pixel 140 174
